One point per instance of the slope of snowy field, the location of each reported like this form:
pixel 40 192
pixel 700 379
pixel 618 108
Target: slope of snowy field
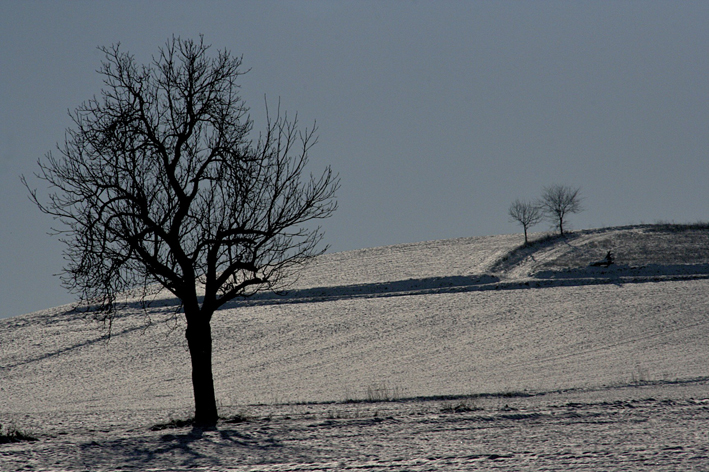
pixel 441 319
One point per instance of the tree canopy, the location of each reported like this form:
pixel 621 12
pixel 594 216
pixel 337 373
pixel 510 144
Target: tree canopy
pixel 161 184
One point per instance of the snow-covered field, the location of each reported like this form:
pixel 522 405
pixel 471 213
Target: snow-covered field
pixel 497 357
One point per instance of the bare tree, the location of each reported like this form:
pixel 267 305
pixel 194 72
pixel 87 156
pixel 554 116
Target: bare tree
pixel 525 213
pixel 160 184
pixel 558 201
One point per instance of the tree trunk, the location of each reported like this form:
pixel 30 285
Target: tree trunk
pixel 199 340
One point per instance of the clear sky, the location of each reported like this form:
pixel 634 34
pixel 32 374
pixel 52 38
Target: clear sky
pixel 437 115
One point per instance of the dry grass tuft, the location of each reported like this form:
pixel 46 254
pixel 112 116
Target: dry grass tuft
pixel 10 434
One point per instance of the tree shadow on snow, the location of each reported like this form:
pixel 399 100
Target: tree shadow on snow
pixel 191 448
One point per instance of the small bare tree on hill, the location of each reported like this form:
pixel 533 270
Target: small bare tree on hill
pixel 526 214
pixel 159 183
pixel 558 201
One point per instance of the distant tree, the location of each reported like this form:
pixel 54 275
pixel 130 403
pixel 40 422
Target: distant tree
pixel 526 214
pixel 160 184
pixel 558 201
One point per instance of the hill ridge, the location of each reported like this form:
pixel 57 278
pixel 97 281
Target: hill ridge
pixel 526 266
pixel 428 319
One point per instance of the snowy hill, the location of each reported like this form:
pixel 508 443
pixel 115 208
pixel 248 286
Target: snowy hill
pixel 589 366
pixel 449 317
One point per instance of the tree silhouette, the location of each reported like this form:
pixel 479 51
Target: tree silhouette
pixel 558 201
pixel 525 213
pixel 159 183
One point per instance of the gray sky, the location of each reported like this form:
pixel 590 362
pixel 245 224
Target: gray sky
pixel 436 114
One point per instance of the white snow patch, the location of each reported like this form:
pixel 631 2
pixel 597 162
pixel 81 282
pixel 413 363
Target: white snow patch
pixel 443 319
